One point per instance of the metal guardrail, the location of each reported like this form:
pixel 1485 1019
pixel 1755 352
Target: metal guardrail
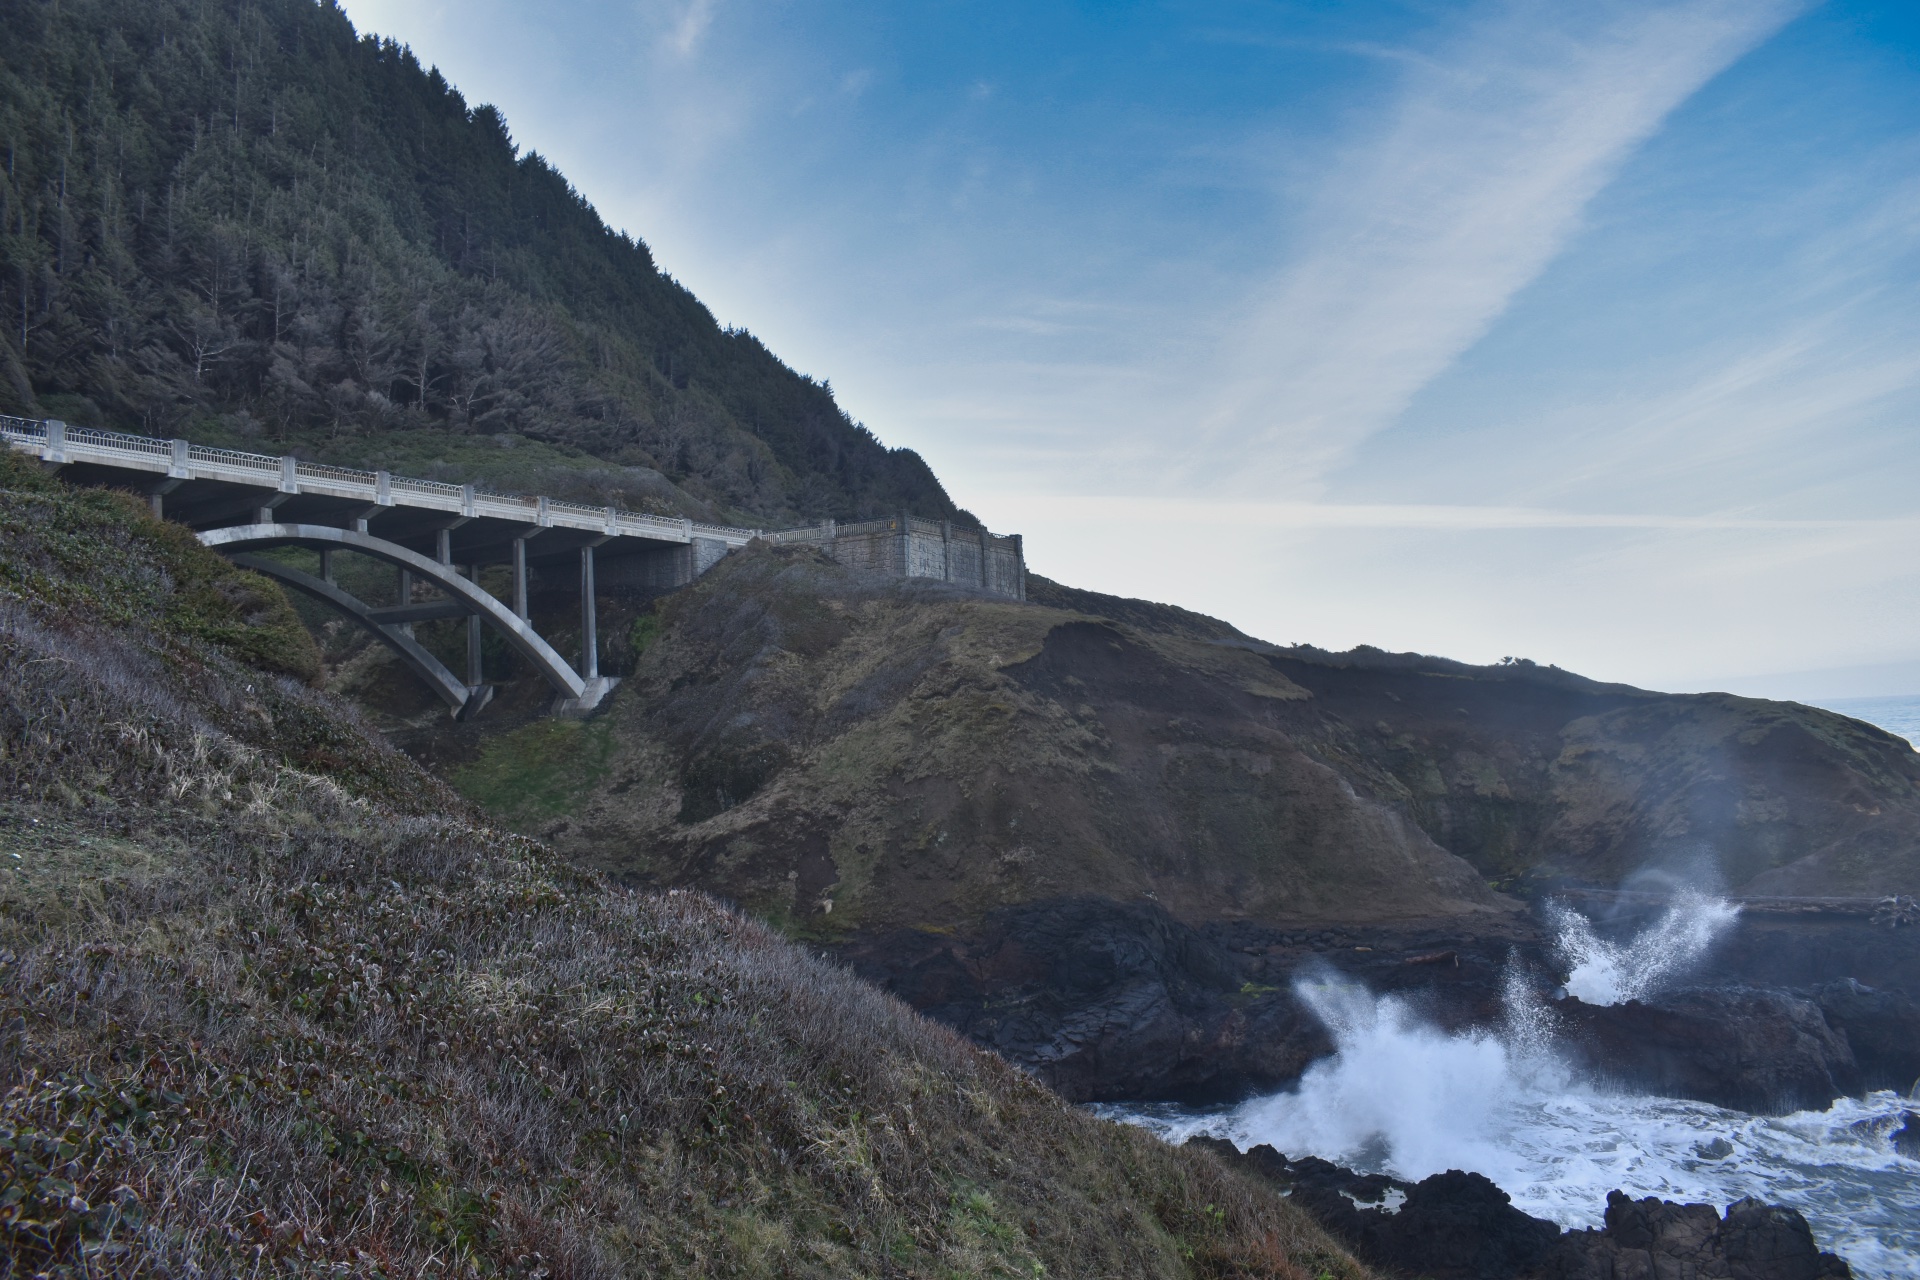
pixel 55 441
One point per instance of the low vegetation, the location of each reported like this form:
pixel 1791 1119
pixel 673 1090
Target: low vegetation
pixel 534 773
pixel 273 1001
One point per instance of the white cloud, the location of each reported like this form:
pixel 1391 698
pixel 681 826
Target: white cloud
pixel 1466 188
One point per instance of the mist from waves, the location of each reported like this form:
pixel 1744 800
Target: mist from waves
pixel 1403 1097
pixel 1604 972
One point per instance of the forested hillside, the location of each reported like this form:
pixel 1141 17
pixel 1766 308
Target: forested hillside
pixel 239 220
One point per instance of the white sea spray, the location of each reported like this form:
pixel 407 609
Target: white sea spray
pixel 1603 972
pixel 1404 1097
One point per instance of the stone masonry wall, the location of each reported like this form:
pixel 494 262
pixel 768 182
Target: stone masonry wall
pixel 908 547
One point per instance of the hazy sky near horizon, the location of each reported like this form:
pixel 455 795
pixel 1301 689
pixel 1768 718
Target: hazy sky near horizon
pixel 1580 332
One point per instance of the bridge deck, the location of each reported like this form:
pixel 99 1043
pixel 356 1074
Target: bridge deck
pixel 205 487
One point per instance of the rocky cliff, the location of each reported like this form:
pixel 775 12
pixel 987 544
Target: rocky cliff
pixel 1102 836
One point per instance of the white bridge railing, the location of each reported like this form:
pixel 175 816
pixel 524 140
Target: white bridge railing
pixel 56 442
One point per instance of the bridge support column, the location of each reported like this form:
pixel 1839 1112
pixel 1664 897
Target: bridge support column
pixel 520 574
pixel 157 495
pixel 475 676
pixel 404 590
pixel 326 564
pixel 589 632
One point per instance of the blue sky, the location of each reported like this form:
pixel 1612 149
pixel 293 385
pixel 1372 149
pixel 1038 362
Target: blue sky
pixel 1580 332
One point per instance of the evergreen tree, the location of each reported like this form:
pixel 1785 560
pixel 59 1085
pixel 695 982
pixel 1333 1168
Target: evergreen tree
pixel 234 219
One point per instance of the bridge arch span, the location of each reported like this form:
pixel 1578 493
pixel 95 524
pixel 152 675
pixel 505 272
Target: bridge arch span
pixel 236 540
pixel 404 646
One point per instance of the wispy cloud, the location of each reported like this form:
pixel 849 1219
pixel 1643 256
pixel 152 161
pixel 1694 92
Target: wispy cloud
pixel 693 24
pixel 1460 194
pixel 1434 516
pixel 1775 419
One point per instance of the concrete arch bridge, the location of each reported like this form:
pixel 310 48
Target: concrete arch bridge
pixel 437 537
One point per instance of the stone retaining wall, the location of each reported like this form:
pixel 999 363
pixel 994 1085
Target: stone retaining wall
pixel 908 547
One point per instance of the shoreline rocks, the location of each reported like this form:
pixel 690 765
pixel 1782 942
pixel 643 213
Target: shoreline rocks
pixel 1746 1048
pixel 1460 1226
pixel 1108 1001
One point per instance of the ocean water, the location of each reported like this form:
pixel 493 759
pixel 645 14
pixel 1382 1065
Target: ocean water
pixel 1405 1098
pixel 1899 714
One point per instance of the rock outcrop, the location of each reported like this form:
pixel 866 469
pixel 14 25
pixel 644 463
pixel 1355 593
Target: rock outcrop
pixel 1882 1028
pixel 1742 1047
pixel 1655 1238
pixel 1460 1226
pixel 1107 1001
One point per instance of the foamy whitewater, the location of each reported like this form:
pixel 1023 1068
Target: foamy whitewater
pixel 1404 1098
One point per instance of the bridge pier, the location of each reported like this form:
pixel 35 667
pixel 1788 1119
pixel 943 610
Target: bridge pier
pixel 476 677
pixel 157 495
pixel 520 574
pixel 589 630
pixel 403 591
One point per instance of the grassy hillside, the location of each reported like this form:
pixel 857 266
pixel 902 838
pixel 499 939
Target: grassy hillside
pixel 239 221
pixel 272 1001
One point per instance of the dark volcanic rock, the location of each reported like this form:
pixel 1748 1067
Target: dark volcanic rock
pixel 1743 1047
pixel 1883 1028
pixel 1658 1238
pixel 1460 1226
pixel 1452 1226
pixel 1111 1001
pixel 1103 1000
pixel 1778 949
